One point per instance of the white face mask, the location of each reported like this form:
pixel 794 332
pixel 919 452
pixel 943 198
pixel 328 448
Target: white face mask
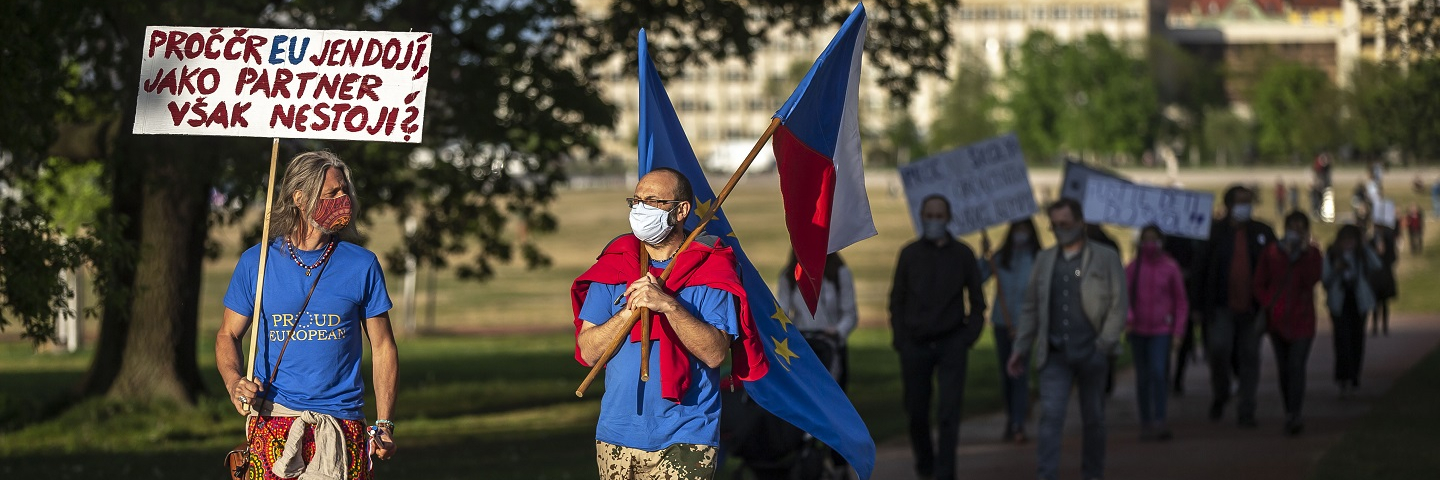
pixel 1241 212
pixel 934 230
pixel 650 224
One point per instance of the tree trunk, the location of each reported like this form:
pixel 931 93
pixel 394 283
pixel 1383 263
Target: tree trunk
pixel 147 345
pixel 115 273
pixel 160 347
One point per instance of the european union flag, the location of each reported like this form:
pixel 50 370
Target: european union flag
pixel 797 388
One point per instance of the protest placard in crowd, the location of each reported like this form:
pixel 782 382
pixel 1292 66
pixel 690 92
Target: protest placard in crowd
pixel 1177 212
pixel 1076 177
pixel 986 183
pixel 251 82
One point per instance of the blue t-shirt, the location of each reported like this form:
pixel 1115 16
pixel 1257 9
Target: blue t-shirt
pixel 633 414
pixel 321 371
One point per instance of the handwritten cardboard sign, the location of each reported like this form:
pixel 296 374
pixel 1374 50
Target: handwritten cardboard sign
pixel 986 183
pixel 1177 212
pixel 251 82
pixel 1077 176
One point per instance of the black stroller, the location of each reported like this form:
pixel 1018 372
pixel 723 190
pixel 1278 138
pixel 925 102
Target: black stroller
pixel 768 447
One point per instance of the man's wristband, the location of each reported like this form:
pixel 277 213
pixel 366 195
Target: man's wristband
pixel 386 424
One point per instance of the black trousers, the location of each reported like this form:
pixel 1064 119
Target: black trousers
pixel 924 368
pixel 1349 335
pixel 1290 359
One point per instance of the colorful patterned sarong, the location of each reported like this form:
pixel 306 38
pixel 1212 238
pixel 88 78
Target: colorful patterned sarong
pixel 267 440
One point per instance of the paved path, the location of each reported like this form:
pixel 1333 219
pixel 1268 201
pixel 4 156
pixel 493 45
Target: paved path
pixel 1201 449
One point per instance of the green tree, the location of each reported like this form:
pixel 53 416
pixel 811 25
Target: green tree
pixel 514 84
pixel 1226 136
pixel 1091 98
pixel 1035 98
pixel 1112 97
pixel 965 111
pixel 1296 110
pixel 1188 88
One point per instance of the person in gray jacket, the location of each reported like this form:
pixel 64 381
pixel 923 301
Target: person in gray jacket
pixel 1070 323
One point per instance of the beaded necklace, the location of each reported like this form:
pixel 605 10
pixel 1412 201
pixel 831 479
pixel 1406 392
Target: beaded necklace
pixel 328 250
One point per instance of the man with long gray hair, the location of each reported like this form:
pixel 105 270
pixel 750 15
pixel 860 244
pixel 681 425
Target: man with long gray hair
pixel 323 296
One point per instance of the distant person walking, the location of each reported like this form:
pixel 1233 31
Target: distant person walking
pixel 1011 266
pixel 1415 229
pixel 937 312
pixel 1232 332
pixel 1348 266
pixel 1158 310
pixel 1382 281
pixel 1285 282
pixel 1072 319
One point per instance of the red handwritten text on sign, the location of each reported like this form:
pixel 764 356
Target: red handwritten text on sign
pixel 284 83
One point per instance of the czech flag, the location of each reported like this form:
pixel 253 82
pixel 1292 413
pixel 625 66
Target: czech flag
pixel 796 387
pixel 817 151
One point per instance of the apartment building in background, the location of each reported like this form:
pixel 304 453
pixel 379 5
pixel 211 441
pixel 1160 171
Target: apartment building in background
pixel 1392 30
pixel 726 105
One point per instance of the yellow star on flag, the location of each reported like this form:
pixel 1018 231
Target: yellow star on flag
pixel 704 207
pixel 780 316
pixel 782 348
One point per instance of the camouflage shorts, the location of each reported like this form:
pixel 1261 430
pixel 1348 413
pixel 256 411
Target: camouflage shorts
pixel 681 461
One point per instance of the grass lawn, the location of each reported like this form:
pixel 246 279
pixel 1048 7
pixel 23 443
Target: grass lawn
pixel 498 406
pixel 1397 438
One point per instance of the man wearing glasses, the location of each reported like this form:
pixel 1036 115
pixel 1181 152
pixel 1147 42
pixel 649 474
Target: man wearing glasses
pixel 666 427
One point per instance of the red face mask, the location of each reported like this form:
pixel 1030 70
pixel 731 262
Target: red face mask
pixel 333 214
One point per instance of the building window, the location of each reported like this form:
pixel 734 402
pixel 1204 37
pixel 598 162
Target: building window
pixel 687 105
pixel 1014 13
pixel 1084 13
pixel 988 13
pixel 967 14
pixel 1059 13
pixel 1038 13
pixel 1131 13
pixel 1109 12
pixel 757 105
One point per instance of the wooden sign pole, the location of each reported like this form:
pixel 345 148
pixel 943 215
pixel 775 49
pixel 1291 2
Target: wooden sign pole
pixel 260 277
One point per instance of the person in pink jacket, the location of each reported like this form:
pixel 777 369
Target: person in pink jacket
pixel 1156 323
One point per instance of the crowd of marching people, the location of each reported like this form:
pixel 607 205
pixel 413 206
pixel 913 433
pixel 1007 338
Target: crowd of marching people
pixel 1067 311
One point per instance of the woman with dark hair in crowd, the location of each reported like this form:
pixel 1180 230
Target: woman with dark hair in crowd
pixel 1285 282
pixel 1159 309
pixel 1349 265
pixel 1382 280
pixel 828 330
pixel 1011 267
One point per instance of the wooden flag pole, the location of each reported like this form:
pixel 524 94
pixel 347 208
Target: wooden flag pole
pixel 704 220
pixel 644 322
pixel 260 277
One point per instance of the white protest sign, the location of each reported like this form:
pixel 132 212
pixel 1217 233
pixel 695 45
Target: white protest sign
pixel 986 183
pixel 1177 212
pixel 252 82
pixel 1077 176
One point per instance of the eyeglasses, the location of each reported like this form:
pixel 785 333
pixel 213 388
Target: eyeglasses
pixel 654 202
